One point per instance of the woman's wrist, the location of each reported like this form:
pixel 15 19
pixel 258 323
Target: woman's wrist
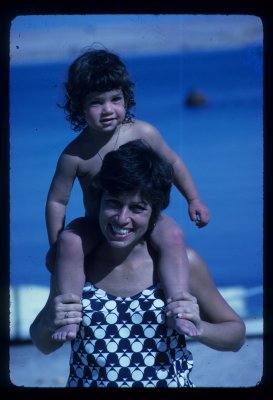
pixel 47 321
pixel 201 329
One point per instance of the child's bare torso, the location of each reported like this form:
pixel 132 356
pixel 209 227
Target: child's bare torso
pixel 87 157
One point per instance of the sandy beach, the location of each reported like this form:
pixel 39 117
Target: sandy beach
pixel 37 39
pixel 243 369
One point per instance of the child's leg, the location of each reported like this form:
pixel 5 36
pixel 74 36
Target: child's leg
pixel 173 265
pixel 76 241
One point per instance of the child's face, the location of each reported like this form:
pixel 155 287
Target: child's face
pixel 104 111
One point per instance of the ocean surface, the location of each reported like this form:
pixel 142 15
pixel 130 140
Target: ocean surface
pixel 221 143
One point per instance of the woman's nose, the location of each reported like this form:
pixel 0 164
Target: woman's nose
pixel 123 215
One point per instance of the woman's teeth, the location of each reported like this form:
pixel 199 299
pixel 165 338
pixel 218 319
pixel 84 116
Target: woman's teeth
pixel 120 231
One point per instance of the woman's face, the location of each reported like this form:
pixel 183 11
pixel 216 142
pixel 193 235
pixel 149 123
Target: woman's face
pixel 124 219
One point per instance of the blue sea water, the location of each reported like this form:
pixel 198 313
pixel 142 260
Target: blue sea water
pixel 221 143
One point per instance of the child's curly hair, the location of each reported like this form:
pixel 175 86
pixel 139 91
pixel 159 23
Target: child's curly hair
pixel 95 71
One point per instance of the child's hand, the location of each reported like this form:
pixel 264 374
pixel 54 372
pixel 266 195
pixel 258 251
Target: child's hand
pixel 199 213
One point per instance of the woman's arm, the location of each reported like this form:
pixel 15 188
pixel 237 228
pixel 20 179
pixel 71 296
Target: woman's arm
pixel 52 316
pixel 219 326
pixel 222 328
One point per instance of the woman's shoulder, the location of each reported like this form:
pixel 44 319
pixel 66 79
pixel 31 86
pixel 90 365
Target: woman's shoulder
pixel 198 267
pixel 194 258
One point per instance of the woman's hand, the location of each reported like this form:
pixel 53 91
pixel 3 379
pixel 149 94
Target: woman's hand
pixel 57 312
pixel 185 306
pixel 67 309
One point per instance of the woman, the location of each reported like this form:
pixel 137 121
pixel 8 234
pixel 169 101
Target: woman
pixel 123 340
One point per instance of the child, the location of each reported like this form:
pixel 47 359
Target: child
pixel 99 97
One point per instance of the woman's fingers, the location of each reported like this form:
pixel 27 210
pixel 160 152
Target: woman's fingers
pixel 68 298
pixel 68 309
pixel 67 317
pixel 182 311
pixel 182 296
pixel 185 309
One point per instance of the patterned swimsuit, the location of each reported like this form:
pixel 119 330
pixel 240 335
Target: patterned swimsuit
pixel 124 343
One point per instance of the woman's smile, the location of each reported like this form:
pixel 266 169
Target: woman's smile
pixel 118 231
pixel 124 219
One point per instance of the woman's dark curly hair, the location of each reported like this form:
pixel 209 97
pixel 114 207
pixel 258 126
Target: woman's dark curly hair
pixel 95 71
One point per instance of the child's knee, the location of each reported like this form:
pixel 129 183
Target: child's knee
pixel 173 237
pixel 69 242
pixel 169 234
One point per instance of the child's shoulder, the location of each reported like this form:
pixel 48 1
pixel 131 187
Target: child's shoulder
pixel 140 128
pixel 79 142
pixel 143 124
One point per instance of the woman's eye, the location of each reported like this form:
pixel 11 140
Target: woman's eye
pixel 138 209
pixel 113 204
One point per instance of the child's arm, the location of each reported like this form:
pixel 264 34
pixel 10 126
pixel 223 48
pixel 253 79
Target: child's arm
pixel 58 195
pixel 198 211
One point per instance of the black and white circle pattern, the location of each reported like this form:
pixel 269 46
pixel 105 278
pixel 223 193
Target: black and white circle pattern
pixel 124 342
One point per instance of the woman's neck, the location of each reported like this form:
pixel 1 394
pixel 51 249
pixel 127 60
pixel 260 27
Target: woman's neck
pixel 121 272
pixel 119 256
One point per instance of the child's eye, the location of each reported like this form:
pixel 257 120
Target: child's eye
pixel 94 103
pixel 117 99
